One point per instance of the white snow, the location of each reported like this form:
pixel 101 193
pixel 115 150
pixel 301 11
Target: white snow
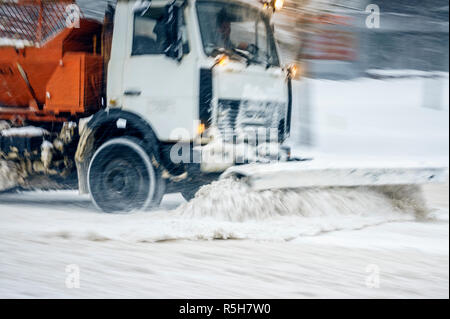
pixel 141 5
pixel 230 242
pixel 19 44
pixel 406 73
pixel 29 131
pixel 228 210
pixel 324 255
pixel 323 245
pixel 46 145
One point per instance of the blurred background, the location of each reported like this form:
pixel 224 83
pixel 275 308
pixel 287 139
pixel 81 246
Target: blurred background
pixel 369 91
pixel 333 37
pixel 372 91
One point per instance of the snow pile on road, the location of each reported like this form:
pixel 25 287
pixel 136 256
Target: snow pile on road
pixel 232 201
pixel 223 210
pixel 227 209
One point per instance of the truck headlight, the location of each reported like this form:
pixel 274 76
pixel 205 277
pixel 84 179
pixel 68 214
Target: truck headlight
pixel 222 60
pixel 293 72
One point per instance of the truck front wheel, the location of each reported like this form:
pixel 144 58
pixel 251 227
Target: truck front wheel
pixel 122 178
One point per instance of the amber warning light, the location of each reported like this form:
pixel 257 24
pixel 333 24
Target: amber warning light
pixel 222 60
pixel 275 5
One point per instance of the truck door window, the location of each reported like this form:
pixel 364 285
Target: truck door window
pixel 149 33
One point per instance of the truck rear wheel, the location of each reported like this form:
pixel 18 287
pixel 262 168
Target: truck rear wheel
pixel 122 178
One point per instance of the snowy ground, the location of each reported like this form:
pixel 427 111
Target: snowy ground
pixel 42 233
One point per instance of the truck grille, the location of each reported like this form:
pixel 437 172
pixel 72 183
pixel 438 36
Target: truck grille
pixel 242 119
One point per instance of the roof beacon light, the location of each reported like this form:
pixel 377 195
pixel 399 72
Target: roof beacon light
pixel 275 5
pixel 278 4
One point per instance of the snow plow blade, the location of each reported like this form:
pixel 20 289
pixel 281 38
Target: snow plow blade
pixel 293 175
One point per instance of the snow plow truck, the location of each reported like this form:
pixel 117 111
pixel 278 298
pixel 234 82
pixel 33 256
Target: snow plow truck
pixel 162 96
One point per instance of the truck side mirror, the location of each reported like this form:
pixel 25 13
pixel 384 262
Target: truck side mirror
pixel 174 23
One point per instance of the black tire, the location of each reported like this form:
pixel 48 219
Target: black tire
pixel 122 178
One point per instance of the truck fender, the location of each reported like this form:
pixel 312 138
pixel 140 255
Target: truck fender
pixel 106 125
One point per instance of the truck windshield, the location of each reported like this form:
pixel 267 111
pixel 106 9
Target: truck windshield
pixel 238 30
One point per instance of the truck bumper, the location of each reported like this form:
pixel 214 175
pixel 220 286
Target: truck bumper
pixel 219 157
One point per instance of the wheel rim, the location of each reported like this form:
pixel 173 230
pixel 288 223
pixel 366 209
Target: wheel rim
pixel 121 177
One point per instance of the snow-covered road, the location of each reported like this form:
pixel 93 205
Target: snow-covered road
pixel 359 246
pixel 42 233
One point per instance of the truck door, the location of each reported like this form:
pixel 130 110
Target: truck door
pixel 159 88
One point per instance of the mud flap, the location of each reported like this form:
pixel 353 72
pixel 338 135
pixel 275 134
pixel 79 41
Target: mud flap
pixel 9 176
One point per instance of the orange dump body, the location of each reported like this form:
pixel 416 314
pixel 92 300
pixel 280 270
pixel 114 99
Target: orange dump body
pixel 55 78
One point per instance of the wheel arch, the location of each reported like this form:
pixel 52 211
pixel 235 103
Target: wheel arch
pixel 110 124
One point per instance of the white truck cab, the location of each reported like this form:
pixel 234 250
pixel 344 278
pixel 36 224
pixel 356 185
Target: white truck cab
pixel 173 79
